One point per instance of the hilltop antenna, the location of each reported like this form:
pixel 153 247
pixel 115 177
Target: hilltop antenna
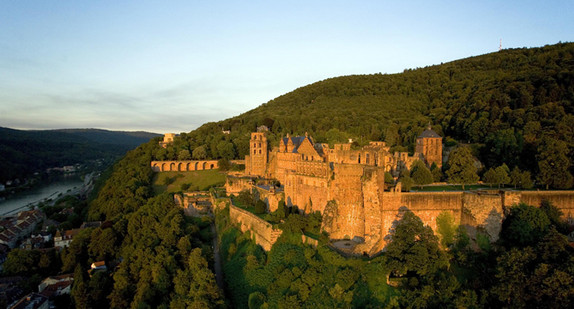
pixel 500 46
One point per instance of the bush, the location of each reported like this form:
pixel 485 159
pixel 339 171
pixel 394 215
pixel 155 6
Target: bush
pixel 260 207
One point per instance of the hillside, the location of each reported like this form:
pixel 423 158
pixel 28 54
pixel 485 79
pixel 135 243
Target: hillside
pixel 26 152
pixel 511 105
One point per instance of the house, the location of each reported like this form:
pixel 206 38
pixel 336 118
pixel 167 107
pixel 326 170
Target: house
pixel 56 285
pixel 19 227
pixel 100 265
pixel 63 239
pixel 31 301
pixel 94 224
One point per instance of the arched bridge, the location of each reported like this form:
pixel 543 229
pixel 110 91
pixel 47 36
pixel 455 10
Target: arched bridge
pixel 183 166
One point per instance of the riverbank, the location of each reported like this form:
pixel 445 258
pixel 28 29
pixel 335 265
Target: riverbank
pixel 48 192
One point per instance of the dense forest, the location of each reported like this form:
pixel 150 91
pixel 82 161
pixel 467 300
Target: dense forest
pixel 24 153
pixel 514 107
pixel 155 256
pixel 531 266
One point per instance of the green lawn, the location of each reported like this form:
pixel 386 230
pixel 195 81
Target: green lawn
pixel 197 180
pixel 451 188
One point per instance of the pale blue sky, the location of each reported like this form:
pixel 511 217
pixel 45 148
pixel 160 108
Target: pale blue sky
pixel 170 66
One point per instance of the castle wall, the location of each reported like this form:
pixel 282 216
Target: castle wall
pixel 485 211
pixel 262 231
pixel 270 197
pixel 426 206
pixel 563 200
pixel 309 193
pixel 346 189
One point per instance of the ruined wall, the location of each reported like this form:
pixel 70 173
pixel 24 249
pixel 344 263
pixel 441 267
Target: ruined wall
pixel 372 189
pixel 483 210
pixel 270 197
pixel 263 232
pixel 234 185
pixel 346 188
pixel 309 193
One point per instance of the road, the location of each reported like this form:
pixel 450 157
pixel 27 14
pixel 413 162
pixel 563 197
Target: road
pixel 217 258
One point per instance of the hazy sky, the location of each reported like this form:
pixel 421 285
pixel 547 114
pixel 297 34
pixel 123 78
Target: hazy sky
pixel 169 66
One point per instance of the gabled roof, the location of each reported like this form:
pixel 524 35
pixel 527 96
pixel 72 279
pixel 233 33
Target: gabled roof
pixel 296 140
pixel 429 133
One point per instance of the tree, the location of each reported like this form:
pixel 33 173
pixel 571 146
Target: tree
pixel 21 262
pixel 389 179
pixel 461 168
pixel 102 244
pixel 490 177
pixel 414 248
pixel 436 172
pixel 446 228
pixel 420 173
pixel 520 179
pixel 195 285
pixel 524 225
pixel 406 183
pixel 554 163
pixel 224 164
pixel 199 153
pixel 226 150
pixel 260 207
pixel 502 177
pixel 79 288
pixel 184 155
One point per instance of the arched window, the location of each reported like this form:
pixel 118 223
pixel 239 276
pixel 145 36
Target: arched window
pixel 259 151
pixel 367 159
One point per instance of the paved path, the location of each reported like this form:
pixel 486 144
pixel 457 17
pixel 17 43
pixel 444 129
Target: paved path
pixel 217 258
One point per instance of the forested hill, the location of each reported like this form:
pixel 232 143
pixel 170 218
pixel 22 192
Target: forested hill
pixel 509 104
pixel 26 152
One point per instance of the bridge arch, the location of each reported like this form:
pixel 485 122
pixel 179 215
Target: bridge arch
pixel 172 166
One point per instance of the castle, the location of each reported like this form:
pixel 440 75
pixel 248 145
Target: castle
pixel 346 185
pixel 307 169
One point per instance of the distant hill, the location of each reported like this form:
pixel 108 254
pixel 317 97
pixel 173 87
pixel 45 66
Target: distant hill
pixel 23 153
pixel 507 104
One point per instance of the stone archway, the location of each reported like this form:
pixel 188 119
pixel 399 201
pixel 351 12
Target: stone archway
pixel 188 166
pixel 196 166
pixel 163 167
pixel 179 166
pixel 204 165
pixel 211 166
pixel 172 166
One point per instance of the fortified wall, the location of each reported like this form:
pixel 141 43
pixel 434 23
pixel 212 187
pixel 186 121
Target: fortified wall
pixel 263 232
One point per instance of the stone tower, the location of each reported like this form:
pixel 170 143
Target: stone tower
pixel 167 139
pixel 258 153
pixel 429 144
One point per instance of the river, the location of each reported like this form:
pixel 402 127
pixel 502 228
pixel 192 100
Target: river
pixel 50 190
